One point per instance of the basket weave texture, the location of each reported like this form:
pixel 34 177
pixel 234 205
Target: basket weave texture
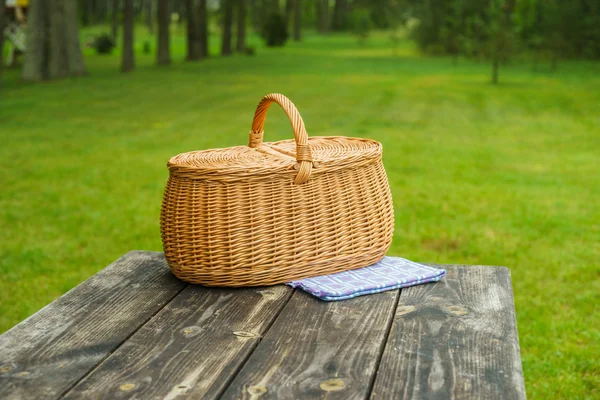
pixel 269 213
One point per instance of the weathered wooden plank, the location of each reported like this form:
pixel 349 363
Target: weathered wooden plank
pixel 318 349
pixel 190 349
pixel 454 339
pixel 50 351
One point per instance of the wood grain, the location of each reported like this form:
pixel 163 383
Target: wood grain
pixel 46 354
pixel 190 349
pixel 318 349
pixel 135 331
pixel 454 339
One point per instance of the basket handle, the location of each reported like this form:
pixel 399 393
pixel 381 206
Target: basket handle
pixel 303 153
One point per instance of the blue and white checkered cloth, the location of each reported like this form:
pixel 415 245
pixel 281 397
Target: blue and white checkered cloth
pixel 388 274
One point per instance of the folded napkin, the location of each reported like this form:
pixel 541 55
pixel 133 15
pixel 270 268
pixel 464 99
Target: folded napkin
pixel 388 274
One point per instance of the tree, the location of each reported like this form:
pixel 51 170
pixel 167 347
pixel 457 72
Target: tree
pixel 240 44
pixel 271 6
pixel 544 25
pixel 289 11
pixel 487 29
pixel 361 25
pixel 450 32
pixel 297 19
pixel 92 12
pixel 86 12
pixel 149 14
pixel 261 10
pixel 339 21
pixel 322 16
pixel 116 10
pixel 309 13
pixel 227 26
pixel 194 51
pixel 53 49
pixel 475 28
pixel 203 28
pixel 500 29
pixel 100 11
pixel 274 30
pixel 255 15
pixel 181 11
pixel 128 58
pixel 163 55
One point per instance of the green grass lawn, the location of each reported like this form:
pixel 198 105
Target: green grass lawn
pixel 480 174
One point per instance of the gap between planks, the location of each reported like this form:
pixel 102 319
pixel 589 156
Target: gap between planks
pixel 63 394
pixel 141 361
pixel 243 364
pixel 384 343
pixel 320 329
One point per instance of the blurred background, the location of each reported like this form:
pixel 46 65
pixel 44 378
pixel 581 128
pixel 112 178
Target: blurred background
pixel 488 111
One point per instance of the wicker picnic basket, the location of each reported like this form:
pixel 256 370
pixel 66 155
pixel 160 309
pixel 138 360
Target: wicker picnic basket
pixel 269 213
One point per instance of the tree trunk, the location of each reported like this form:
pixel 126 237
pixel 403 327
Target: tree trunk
pixel 149 13
pixel 100 11
pixel 338 22
pixel 260 10
pixel 86 15
pixel 193 38
pixel 289 12
pixel 323 16
pixel 495 68
pixel 53 49
pixel 203 28
pixel 35 64
pixel 181 12
pixel 2 8
pixel 163 55
pixel 128 60
pixel 227 27
pixel 256 17
pixel 240 44
pixel 116 10
pixel 75 62
pixel 297 20
pixel 138 9
pixel 502 45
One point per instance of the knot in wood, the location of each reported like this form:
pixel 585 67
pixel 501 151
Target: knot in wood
pixel 256 390
pixel 457 310
pixel 401 310
pixel 245 334
pixel 126 387
pixel 191 331
pixel 332 385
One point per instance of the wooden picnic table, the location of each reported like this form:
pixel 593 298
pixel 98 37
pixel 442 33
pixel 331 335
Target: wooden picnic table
pixel 135 331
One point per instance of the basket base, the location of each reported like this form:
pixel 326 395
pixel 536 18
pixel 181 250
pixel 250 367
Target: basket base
pixel 267 276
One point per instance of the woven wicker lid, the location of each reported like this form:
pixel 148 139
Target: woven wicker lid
pixel 301 156
pixel 275 157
